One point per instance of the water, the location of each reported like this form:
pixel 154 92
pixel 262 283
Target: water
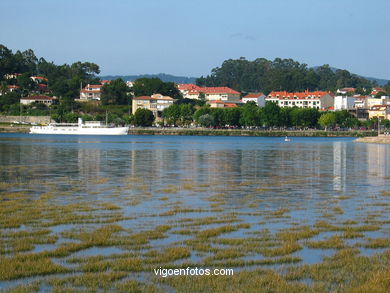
pixel 246 178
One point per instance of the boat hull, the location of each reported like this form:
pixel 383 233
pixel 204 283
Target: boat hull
pixel 79 130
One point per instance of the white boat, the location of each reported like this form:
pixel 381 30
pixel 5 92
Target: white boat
pixel 80 128
pixel 287 139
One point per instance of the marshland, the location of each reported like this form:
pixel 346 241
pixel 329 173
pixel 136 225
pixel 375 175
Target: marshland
pixel 99 214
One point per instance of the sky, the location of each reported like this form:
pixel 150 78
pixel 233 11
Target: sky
pixel 190 38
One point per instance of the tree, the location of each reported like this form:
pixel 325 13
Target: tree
pixel 304 117
pixel 186 112
pixel 271 114
pixel 172 114
pixel 149 86
pixel 327 120
pixel 115 93
pixel 200 112
pixel 285 117
pixel 232 116
pixel 206 120
pixel 250 115
pixel 143 117
pixel 8 99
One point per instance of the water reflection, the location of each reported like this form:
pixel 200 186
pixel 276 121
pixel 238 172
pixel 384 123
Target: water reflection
pixel 305 167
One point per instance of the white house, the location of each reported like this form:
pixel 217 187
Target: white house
pixel 155 103
pixel 38 99
pixel 258 98
pixel 192 91
pixel 318 100
pixel 91 92
pixel 344 103
pixel 346 90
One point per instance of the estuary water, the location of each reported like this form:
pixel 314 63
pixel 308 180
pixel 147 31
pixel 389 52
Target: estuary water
pixel 193 185
pixel 322 164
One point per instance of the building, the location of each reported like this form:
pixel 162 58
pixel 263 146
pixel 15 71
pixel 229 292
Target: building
pixel 376 90
pixel 318 100
pixel 223 104
pixel 13 88
pixel 11 75
pixel 379 111
pixel 39 79
pixel 38 99
pixel 258 98
pixel 361 102
pixel 344 103
pixel 346 91
pixel 155 103
pixel 91 92
pixel 370 102
pixel 191 91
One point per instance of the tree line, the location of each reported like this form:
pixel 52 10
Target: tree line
pixel 262 75
pixel 269 116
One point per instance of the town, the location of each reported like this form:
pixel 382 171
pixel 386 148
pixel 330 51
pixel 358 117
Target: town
pixel 68 92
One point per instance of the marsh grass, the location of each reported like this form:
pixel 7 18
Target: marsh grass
pixel 221 230
pixel 377 243
pixel 27 265
pixel 334 241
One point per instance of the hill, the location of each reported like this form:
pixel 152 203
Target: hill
pixel 379 81
pixel 164 77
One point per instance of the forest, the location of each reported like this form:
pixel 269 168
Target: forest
pixel 262 75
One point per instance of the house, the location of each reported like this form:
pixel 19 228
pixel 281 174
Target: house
pixel 346 90
pixel 344 103
pixel 318 100
pixel 91 92
pixel 376 90
pixel 11 75
pixel 370 102
pixel 184 89
pixel 223 104
pixel 191 91
pixel 361 102
pixel 13 88
pixel 38 99
pixel 379 111
pixel 258 98
pixel 39 79
pixel 155 103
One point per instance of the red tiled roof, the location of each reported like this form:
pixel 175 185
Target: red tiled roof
pixel 195 90
pixel 146 98
pixel 40 77
pixel 13 86
pixel 218 90
pixel 187 87
pixel 94 86
pixel 38 98
pixel 253 95
pixel 298 95
pixel 90 91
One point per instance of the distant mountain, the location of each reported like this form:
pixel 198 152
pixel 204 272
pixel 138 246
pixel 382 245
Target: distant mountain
pixel 164 77
pixel 379 81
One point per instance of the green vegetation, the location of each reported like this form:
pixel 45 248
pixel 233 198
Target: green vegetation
pixel 280 74
pixel 99 250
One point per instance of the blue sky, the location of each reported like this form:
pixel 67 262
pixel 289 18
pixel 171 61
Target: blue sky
pixel 191 37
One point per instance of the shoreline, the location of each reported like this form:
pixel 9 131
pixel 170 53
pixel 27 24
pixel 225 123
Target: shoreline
pixel 247 132
pixel 221 132
pixel 377 139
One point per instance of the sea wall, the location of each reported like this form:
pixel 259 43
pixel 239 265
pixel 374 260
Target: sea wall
pixel 26 119
pixel 244 132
